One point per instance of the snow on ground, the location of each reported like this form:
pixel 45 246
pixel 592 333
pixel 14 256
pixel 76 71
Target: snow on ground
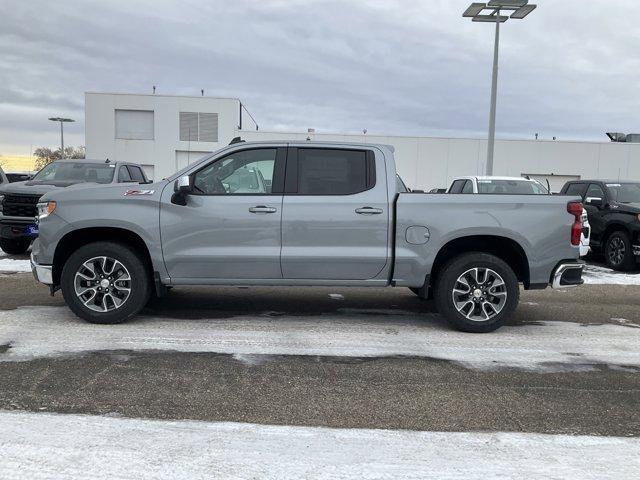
pixel 13 264
pixel 597 275
pixel 550 346
pixel 43 445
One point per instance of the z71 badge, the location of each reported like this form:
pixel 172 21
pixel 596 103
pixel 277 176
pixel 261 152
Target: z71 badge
pixel 130 193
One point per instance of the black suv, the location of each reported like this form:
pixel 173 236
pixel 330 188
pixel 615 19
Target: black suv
pixel 613 208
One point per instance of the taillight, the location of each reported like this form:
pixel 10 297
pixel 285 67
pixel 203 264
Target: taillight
pixel 575 209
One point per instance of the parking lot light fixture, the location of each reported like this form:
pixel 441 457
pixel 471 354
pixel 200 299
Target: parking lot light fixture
pixel 62 121
pixel 494 12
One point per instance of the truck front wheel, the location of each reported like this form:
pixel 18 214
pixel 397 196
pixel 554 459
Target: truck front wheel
pixel 476 292
pixel 105 282
pixel 16 246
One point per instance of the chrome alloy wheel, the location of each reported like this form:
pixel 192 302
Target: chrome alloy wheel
pixel 102 284
pixel 479 294
pixel 616 251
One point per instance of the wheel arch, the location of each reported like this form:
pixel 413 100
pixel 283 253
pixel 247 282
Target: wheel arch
pixel 75 239
pixel 504 248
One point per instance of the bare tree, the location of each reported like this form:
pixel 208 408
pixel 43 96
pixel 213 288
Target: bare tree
pixel 45 155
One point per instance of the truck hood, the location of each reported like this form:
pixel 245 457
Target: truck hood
pixel 626 207
pixel 31 187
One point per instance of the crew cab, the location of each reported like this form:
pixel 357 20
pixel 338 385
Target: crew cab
pixel 515 186
pixel 18 200
pixel 316 214
pixel 613 208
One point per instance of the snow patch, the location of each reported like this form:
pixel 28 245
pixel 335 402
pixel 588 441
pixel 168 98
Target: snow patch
pixel 44 445
pixel 54 331
pixel 13 263
pixel 597 275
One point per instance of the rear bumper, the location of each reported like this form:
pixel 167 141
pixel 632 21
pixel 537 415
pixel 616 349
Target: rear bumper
pixel 567 274
pixel 42 273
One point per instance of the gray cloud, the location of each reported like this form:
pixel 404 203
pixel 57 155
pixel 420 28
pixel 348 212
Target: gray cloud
pixel 399 67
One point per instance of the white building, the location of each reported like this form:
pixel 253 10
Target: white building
pixel 165 133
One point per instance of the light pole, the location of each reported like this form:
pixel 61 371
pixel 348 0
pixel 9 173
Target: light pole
pixel 490 12
pixel 62 121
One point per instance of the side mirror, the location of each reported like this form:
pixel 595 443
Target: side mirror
pixel 181 189
pixel 594 202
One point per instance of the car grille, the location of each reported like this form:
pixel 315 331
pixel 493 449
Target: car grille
pixel 20 205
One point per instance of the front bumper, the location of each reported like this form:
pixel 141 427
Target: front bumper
pixel 16 227
pixel 42 273
pixel 567 274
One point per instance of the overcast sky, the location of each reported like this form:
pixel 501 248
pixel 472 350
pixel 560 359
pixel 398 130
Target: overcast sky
pixel 392 67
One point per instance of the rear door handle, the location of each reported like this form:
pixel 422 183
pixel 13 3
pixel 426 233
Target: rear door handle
pixel 368 211
pixel 262 209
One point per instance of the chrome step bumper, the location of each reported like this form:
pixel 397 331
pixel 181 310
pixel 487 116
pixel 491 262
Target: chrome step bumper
pixel 568 274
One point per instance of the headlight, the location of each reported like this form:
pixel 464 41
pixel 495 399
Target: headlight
pixel 45 209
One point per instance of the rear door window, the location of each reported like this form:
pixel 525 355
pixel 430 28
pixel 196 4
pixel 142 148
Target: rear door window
pixel 334 171
pixel 468 187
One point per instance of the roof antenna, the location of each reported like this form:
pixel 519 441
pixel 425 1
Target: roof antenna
pixel 107 161
pixel 154 89
pixel 202 92
pixel 236 140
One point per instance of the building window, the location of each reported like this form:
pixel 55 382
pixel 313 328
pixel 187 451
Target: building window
pixel 198 127
pixel 134 124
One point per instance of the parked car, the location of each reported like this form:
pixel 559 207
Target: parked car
pixel 515 186
pixel 18 201
pixel 613 208
pixel 331 215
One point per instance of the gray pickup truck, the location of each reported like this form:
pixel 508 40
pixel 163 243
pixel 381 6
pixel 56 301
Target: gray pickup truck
pixel 18 201
pixel 303 214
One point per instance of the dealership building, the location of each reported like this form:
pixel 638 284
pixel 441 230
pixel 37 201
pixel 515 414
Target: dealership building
pixel 166 133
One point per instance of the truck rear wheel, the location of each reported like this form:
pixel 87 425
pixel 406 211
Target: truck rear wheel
pixel 476 292
pixel 15 246
pixel 105 282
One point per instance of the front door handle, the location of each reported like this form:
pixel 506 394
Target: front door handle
pixel 262 209
pixel 368 211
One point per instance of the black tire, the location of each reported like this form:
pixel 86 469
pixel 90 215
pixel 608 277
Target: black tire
pixel 140 283
pixel 618 253
pixel 448 280
pixel 15 246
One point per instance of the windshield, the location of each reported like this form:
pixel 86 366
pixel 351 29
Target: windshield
pixel 511 187
pixel 76 172
pixel 624 192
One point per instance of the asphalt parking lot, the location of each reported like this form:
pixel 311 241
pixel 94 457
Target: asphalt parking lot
pixel 356 359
